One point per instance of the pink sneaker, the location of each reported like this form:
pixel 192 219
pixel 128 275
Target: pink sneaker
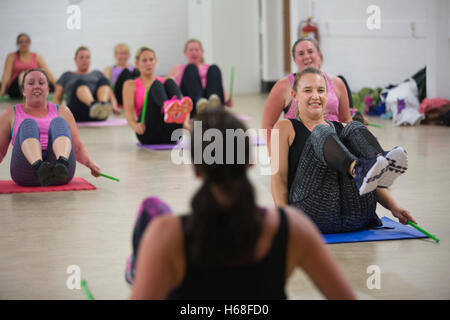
pixel 171 110
pixel 186 106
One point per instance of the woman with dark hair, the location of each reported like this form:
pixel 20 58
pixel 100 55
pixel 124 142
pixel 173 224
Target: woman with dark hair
pixel 228 247
pixel 17 63
pixel 334 173
pixel 44 136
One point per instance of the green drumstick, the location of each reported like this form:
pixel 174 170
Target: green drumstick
pixel 144 106
pixel 86 290
pixel 374 124
pixel 423 231
pixel 109 177
pixel 231 82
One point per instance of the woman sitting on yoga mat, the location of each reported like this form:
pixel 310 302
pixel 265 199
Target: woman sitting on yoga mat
pixel 17 63
pixel 88 94
pixel 228 247
pixel 154 108
pixel 44 137
pixel 121 72
pixel 333 173
pixel 305 53
pixel 200 81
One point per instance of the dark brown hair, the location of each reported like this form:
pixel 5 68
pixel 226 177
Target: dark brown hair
pixel 81 48
pixel 220 233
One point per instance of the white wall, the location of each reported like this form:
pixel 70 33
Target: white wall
pixel 159 24
pixel 236 43
pixel 229 31
pixel 272 40
pixel 368 57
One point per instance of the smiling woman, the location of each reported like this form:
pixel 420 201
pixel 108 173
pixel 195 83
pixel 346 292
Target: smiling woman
pixel 305 53
pixel 44 137
pixel 335 174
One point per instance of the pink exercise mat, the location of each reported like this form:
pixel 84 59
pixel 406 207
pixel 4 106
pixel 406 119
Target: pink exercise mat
pixel 77 184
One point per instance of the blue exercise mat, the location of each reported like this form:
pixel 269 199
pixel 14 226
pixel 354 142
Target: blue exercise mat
pixel 390 230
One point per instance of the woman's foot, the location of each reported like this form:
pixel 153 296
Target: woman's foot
pixel 398 164
pixel 61 170
pixel 172 110
pixel 44 172
pixel 100 110
pixel 214 101
pixel 186 106
pixel 368 173
pixel 202 105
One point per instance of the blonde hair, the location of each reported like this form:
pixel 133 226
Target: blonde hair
pixel 195 41
pixel 123 46
pixel 141 50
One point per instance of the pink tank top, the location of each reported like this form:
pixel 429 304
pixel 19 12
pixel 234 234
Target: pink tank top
pixel 19 66
pixel 332 112
pixel 139 94
pixel 202 72
pixel 43 123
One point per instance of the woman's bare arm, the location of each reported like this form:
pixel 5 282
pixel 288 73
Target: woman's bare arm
pixel 7 72
pixel 306 243
pixel 279 162
pixel 275 103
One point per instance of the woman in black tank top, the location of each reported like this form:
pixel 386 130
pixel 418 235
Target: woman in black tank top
pixel 228 247
pixel 334 174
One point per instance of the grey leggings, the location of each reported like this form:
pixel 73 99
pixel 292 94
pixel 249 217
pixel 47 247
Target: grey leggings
pixel 22 172
pixel 329 197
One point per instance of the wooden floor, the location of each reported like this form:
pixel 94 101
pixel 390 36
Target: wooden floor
pixel 41 234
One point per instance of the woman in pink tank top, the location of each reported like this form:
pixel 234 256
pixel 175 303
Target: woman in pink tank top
pixel 154 107
pixel 44 137
pixel 305 53
pixel 200 81
pixel 17 63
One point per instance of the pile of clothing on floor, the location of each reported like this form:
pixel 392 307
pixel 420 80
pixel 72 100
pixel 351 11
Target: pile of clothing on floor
pixel 405 103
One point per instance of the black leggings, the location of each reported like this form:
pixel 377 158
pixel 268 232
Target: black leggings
pixel 79 110
pixel 15 92
pixel 118 86
pixel 191 84
pixel 157 131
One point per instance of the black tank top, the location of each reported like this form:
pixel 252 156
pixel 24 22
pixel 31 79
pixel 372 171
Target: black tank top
pixel 264 279
pixel 295 150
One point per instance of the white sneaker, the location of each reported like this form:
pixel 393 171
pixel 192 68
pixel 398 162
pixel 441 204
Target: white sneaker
pixel 398 164
pixel 202 105
pixel 214 101
pixel 100 110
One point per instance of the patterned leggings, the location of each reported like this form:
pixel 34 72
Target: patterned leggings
pixel 329 197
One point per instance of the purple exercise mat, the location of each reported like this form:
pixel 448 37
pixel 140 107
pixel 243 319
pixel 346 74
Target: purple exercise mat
pixel 115 122
pixel 157 147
